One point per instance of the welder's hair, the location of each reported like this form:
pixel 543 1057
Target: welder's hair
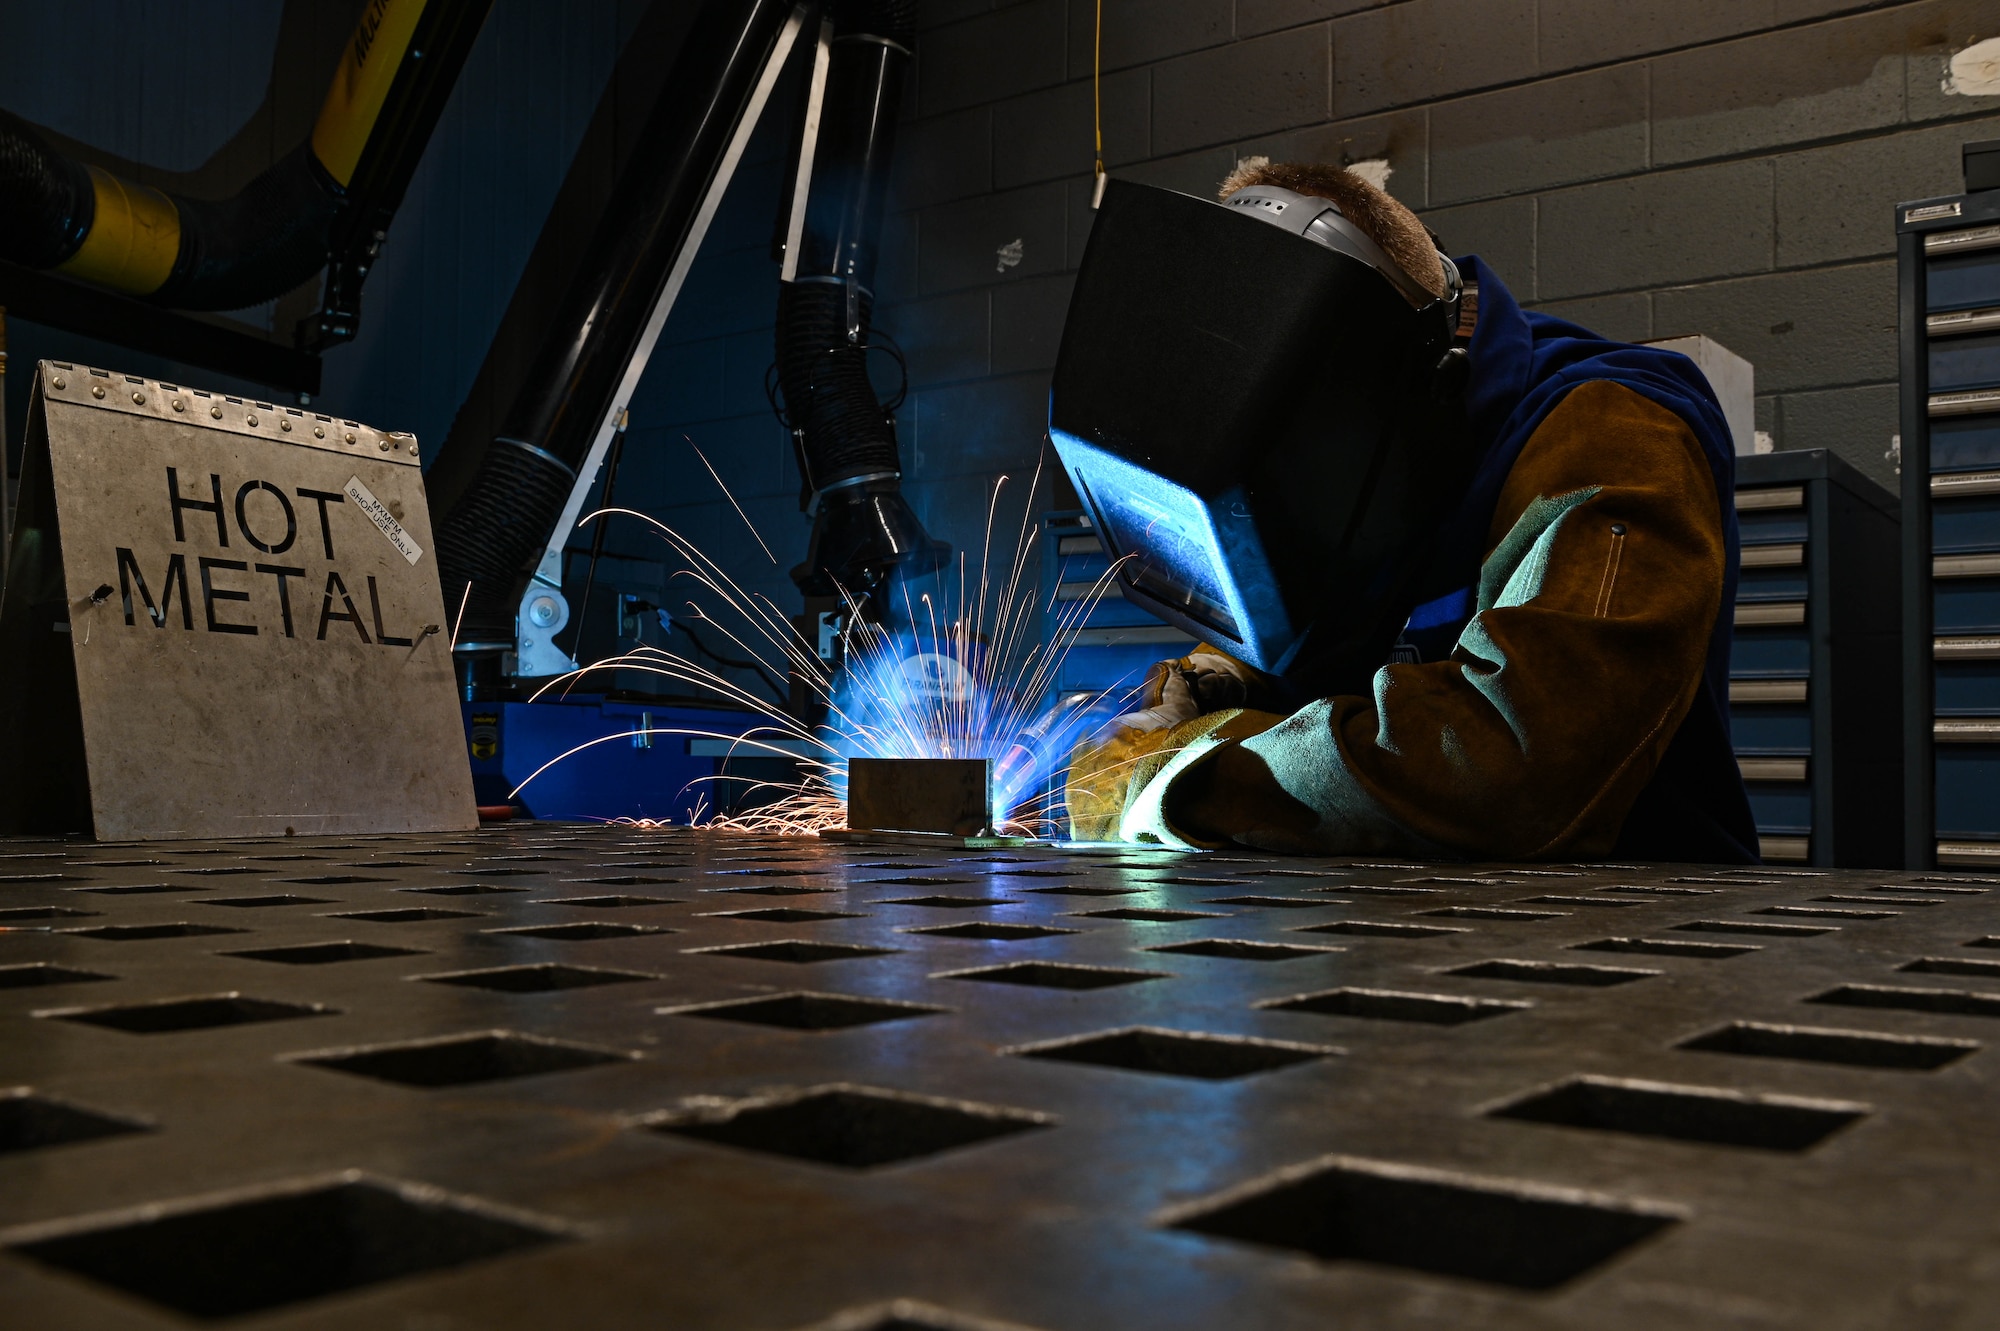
pixel 1379 217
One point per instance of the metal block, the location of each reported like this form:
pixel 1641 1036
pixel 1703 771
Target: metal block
pixel 947 796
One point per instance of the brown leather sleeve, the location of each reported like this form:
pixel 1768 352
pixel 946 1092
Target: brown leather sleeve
pixel 1536 737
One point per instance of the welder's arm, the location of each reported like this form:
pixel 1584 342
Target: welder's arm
pixel 1595 604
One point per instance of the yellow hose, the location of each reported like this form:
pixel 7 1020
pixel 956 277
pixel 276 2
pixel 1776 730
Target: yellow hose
pixel 361 84
pixel 133 239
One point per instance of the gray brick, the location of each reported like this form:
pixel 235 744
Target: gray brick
pixel 1674 226
pixel 1766 407
pixel 990 426
pixel 959 243
pixel 1047 134
pixel 1934 32
pixel 1251 87
pixel 1028 323
pixel 945 338
pixel 896 264
pixel 1197 173
pixel 1402 138
pixel 1822 328
pixel 1816 82
pixel 679 384
pixel 745 358
pixel 1010 51
pixel 1856 423
pixel 1838 203
pixel 713 299
pixel 1141 32
pixel 940 158
pixel 937 13
pixel 1555 132
pixel 1624 318
pixel 1591 32
pixel 1501 232
pixel 956 509
pixel 1425 49
pixel 1255 16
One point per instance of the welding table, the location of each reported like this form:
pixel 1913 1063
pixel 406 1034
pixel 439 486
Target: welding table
pixel 560 1075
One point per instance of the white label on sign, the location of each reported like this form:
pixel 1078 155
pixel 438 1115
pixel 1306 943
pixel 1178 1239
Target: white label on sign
pixel 378 513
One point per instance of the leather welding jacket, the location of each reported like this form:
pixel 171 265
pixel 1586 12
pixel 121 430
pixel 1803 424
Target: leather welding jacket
pixel 1571 694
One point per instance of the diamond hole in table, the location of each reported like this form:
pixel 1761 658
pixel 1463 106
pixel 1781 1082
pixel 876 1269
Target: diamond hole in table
pixel 219 870
pixel 1580 901
pixel 1383 890
pixel 947 903
pixel 773 890
pixel 498 873
pixel 1079 890
pixel 259 903
pixel 463 1060
pixel 1669 947
pixel 798 951
pixel 200 1012
pixel 130 933
pixel 38 974
pixel 543 978
pixel 404 915
pixel 1838 897
pixel 1706 1114
pixel 1381 929
pixel 1818 1044
pixel 1934 886
pixel 1493 913
pixel 1552 972
pixel 120 864
pixel 806 1011
pixel 1953 966
pixel 245 1254
pixel 1500 1231
pixel 1277 903
pixel 1953 1002
pixel 1053 975
pixel 625 880
pixel 1991 940
pixel 1396 1005
pixel 853 1126
pixel 139 889
pixel 1147 916
pixel 584 931
pixel 337 879
pixel 1187 880
pixel 1653 890
pixel 989 931
pixel 915 881
pixel 1753 927
pixel 787 915
pixel 1238 949
pixel 611 902
pixel 1039 873
pixel 1176 1053
pixel 30 1121
pixel 35 877
pixel 1828 912
pixel 464 890
pixel 14 914
pixel 325 954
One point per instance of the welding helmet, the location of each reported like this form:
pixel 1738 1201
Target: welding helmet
pixel 1263 414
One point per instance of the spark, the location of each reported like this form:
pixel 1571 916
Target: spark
pixel 731 498
pixel 964 671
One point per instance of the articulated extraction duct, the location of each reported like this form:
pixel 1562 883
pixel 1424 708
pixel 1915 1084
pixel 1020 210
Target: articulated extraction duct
pixel 844 436
pixel 197 254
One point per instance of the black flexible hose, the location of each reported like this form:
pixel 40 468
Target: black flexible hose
pixel 828 401
pixel 48 203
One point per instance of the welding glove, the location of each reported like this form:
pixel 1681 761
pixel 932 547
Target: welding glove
pixel 1118 789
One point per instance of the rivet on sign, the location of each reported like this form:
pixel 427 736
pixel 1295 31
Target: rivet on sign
pixel 251 421
pixel 97 390
pixel 350 438
pixel 318 433
pixel 59 382
pixel 1617 529
pixel 139 398
pixel 215 412
pixel 180 405
pixel 413 448
pixel 385 445
pixel 285 425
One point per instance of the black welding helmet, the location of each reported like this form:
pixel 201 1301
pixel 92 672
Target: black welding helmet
pixel 1263 414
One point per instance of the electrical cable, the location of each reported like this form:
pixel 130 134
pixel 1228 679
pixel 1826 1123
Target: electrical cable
pixel 735 662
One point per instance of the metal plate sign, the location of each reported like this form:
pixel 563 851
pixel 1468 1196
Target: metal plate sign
pixel 253 621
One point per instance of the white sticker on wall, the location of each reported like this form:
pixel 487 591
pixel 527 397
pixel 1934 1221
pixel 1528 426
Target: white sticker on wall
pixel 1975 71
pixel 379 514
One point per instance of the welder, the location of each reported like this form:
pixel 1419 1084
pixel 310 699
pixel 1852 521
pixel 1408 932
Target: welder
pixel 1463 574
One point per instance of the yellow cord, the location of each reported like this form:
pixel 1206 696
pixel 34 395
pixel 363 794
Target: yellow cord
pixel 1097 104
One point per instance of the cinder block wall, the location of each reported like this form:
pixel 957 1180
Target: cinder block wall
pixel 1646 167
